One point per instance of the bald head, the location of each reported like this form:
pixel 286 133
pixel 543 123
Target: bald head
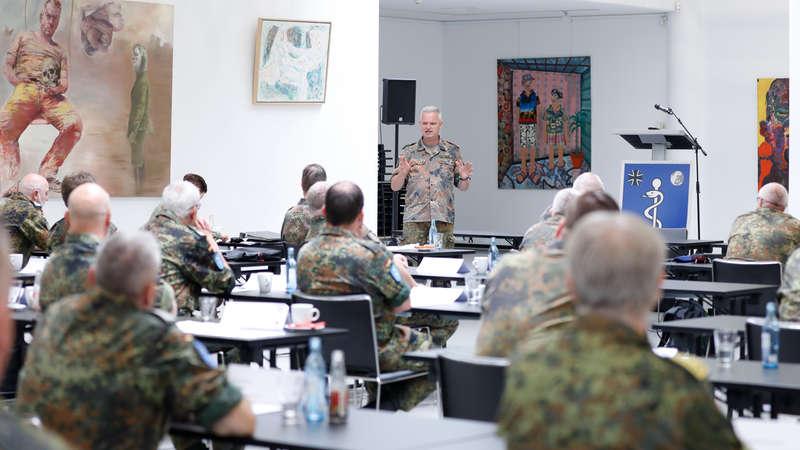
pixel 89 210
pixel 562 199
pixel 343 204
pixel 35 187
pixel 315 197
pixel 773 196
pixel 588 182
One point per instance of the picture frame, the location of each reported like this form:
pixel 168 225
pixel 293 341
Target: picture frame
pixel 290 64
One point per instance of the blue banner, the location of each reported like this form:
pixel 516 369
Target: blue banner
pixel 657 192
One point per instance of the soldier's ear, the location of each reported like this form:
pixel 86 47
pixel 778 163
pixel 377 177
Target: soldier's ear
pixel 91 277
pixel 66 219
pixel 560 230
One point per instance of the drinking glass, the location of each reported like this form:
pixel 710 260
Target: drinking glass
pixel 437 240
pixel 473 283
pixel 207 307
pixel 291 389
pixel 725 342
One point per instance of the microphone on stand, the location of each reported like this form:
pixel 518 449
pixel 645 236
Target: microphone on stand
pixel 663 109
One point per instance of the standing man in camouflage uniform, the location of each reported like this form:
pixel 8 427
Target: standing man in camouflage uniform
pixel 190 258
pixel 526 295
pixel 295 222
pixel 599 385
pixel 430 168
pixel 338 262
pixel 542 234
pixel 108 371
pixel 768 233
pixel 58 232
pixel 22 215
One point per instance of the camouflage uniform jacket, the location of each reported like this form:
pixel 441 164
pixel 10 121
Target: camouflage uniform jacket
pixel 67 268
pixel 58 233
pixel 599 385
pixel 26 224
pixel 430 182
pixel 338 263
pixel 17 435
pixel 103 373
pixel 187 264
pixel 764 235
pixel 295 224
pixel 789 293
pixel 315 226
pixel 542 233
pixel 526 295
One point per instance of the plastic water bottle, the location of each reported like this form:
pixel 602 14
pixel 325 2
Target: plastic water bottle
pixel 313 402
pixel 337 412
pixel 291 271
pixel 770 342
pixel 432 231
pixel 494 254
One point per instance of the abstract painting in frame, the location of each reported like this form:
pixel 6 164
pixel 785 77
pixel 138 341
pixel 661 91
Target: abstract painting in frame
pixel 291 61
pixel 773 131
pixel 544 114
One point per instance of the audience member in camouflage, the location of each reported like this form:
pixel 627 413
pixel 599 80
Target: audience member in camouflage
pixel 21 212
pixel 768 233
pixel 190 258
pixel 338 262
pixel 429 169
pixel 58 233
pixel 789 293
pixel 526 296
pixel 66 270
pixel 597 384
pixel 543 233
pixel 201 223
pixel 295 223
pixel 107 371
pixel 586 182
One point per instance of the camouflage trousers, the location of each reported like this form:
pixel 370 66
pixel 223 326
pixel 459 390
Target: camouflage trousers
pixel 439 329
pixel 417 233
pixel 403 394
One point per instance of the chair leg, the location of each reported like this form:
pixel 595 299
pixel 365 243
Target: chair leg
pixel 378 398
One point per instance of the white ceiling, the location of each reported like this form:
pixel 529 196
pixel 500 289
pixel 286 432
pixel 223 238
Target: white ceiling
pixel 467 10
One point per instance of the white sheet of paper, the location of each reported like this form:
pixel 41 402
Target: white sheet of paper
pixel 254 315
pixel 218 330
pixel 278 283
pixel 35 264
pixel 767 434
pixel 422 296
pixel 392 248
pixel 266 408
pixel 440 266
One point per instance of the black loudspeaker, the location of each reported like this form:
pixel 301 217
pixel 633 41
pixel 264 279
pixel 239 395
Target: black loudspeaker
pixel 399 101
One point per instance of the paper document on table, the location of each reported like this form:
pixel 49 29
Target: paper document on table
pixel 422 296
pixel 218 330
pixel 252 380
pixel 760 434
pixel 255 315
pixel 250 285
pixel 393 248
pixel 446 267
pixel 34 265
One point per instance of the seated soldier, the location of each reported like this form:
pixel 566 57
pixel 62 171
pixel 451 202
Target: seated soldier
pixel 108 371
pixel 339 262
pixel 202 186
pixel 58 232
pixel 543 233
pixel 21 212
pixel 315 202
pixel 768 233
pixel 14 434
pixel 190 258
pixel 597 384
pixel 295 223
pixel 527 293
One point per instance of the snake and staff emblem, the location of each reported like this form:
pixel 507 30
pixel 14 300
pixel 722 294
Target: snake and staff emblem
pixel 651 212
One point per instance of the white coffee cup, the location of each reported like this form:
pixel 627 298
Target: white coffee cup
pixel 304 313
pixel 264 282
pixel 16 261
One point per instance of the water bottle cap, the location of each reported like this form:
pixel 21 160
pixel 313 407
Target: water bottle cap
pixel 315 343
pixel 337 356
pixel 290 252
pixel 771 307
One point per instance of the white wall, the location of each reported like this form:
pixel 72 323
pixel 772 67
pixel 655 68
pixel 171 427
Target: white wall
pixel 412 49
pixel 718 48
pixel 252 155
pixel 629 75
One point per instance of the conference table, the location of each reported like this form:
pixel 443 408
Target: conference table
pixel 724 297
pixel 691 246
pixel 365 428
pixel 688 271
pixel 416 254
pixel 513 239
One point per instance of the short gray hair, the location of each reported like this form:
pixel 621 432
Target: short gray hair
pixel 127 262
pixel 431 109
pixel 316 196
pixel 587 182
pixel 616 263
pixel 180 197
pixel 563 198
pixel 775 194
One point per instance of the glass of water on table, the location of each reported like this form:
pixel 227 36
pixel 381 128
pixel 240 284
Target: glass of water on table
pixel 725 342
pixel 472 280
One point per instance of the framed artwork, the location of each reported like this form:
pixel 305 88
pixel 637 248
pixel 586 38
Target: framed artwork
pixel 773 131
pixel 291 61
pixel 95 96
pixel 657 191
pixel 544 119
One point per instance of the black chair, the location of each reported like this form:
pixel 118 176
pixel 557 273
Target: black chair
pixel 471 387
pixel 756 272
pixel 789 352
pixel 354 313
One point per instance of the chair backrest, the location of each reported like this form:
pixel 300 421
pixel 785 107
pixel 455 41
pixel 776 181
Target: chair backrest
pixel 353 313
pixel 471 387
pixel 670 234
pixel 756 272
pixel 789 337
